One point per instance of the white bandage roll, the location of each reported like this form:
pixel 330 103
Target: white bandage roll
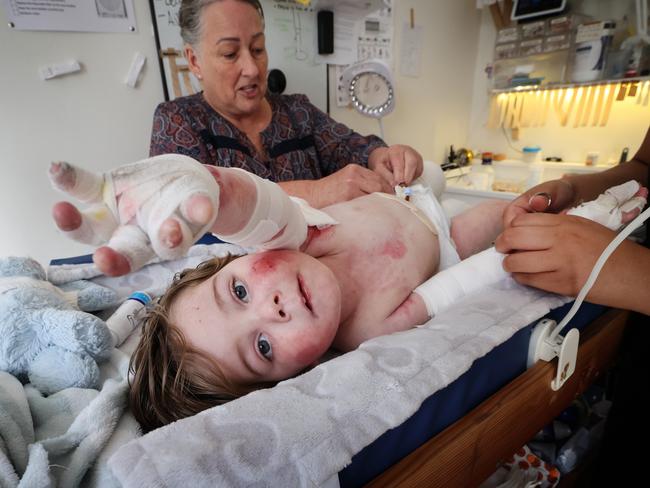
pixel 450 285
pixel 276 223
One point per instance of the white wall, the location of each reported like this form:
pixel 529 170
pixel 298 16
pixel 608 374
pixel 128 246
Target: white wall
pixel 433 110
pixel 626 128
pixel 91 118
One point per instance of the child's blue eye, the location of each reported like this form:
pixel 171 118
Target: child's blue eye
pixel 240 291
pixel 264 346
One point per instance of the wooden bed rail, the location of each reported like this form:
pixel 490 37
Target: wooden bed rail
pixel 468 451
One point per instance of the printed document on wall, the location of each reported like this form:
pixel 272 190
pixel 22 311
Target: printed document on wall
pixel 410 50
pixel 71 15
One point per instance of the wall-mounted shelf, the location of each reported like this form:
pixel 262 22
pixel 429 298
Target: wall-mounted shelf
pixel 589 104
pixel 555 86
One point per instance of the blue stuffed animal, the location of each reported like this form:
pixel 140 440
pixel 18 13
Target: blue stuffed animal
pixel 44 336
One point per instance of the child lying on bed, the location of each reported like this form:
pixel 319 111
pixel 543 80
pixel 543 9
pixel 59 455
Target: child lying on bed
pixel 325 278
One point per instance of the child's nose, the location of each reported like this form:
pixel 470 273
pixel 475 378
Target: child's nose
pixel 277 310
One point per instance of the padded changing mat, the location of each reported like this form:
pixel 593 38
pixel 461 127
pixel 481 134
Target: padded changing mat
pixel 305 430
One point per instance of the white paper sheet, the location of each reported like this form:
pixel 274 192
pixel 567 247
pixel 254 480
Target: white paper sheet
pixel 71 15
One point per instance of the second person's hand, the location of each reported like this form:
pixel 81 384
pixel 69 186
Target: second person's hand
pixel 397 164
pixel 349 182
pixel 551 196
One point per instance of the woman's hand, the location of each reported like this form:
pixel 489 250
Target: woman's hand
pixel 551 196
pixel 397 164
pixel 349 182
pixel 556 253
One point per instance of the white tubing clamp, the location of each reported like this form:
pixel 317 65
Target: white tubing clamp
pixel 543 346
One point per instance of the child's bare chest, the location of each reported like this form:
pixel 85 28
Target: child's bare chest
pixel 380 252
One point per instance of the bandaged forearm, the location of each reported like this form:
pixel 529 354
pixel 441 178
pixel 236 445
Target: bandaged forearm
pixel 276 222
pixel 454 283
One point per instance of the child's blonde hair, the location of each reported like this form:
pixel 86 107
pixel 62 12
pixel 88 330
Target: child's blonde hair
pixel 170 378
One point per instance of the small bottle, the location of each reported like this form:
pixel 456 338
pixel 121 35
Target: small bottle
pixel 486 167
pixel 123 321
pixel 532 154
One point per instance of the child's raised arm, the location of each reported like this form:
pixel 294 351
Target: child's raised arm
pixel 160 206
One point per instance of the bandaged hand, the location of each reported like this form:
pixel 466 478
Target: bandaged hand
pixel 397 164
pixel 155 207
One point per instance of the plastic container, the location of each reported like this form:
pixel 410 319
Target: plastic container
pixel 591 48
pixel 532 154
pixel 508 34
pixel 557 42
pixel 533 29
pixel 510 176
pixel 530 46
pixel 506 51
pixel 481 175
pixel 535 175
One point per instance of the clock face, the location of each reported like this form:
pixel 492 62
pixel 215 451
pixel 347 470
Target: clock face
pixel 372 89
pixel 371 93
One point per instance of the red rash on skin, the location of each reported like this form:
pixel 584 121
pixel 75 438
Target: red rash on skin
pixel 404 309
pixel 267 262
pixel 394 249
pixel 314 232
pixel 305 353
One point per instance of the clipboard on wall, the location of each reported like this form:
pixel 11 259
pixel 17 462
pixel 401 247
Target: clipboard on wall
pixel 290 31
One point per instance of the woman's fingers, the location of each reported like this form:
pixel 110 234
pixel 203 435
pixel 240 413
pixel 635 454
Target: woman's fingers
pixel 531 262
pixel 530 232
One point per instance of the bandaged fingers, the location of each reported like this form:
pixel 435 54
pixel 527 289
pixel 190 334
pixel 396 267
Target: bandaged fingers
pixel 616 207
pixel 128 249
pixel 83 185
pixel 93 226
pixel 171 199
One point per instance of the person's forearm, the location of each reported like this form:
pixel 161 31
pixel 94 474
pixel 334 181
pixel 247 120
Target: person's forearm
pixel 588 187
pixel 302 189
pixel 624 281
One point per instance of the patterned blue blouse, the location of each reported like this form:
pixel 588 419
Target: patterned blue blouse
pixel 301 142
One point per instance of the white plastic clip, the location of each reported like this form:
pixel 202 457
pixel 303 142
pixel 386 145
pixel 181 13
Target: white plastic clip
pixel 59 69
pixel 134 70
pixel 542 346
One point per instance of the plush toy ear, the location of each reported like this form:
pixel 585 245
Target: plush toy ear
pixel 54 369
pixel 21 266
pixel 91 296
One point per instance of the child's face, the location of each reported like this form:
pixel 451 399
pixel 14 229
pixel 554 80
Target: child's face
pixel 263 317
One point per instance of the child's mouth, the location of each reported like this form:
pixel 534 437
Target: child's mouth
pixel 305 294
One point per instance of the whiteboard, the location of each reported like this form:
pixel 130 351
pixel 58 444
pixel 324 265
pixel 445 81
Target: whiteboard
pixel 290 31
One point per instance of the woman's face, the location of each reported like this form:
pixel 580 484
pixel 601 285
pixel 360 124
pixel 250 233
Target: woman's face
pixel 231 58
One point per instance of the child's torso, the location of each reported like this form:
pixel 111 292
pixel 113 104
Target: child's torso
pixel 380 252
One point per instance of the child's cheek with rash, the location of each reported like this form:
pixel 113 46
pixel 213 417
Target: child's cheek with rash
pixel 266 263
pixel 306 350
